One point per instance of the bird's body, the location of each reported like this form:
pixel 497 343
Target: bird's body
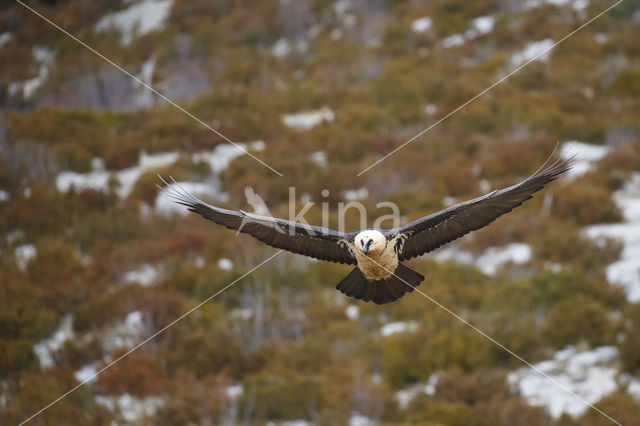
pixel 376 256
pixel 379 275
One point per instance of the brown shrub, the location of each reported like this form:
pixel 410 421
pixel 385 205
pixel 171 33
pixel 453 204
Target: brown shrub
pixel 138 374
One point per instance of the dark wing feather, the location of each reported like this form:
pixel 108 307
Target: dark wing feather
pixel 313 241
pixel 430 232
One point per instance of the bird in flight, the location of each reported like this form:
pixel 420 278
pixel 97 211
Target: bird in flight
pixel 379 275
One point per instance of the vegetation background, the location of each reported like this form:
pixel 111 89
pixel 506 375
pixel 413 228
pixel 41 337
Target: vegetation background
pixel 92 263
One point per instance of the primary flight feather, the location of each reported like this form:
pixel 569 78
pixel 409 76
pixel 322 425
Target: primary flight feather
pixel 378 276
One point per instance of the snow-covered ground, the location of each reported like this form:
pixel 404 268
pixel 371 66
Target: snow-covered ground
pixel 131 408
pixel 166 205
pixel 584 156
pixel 98 178
pixel 26 88
pixel 405 396
pixel 352 312
pixel 320 158
pixel 494 257
pixel 452 41
pixel 577 5
pixel 5 38
pixel 225 264
pixel 490 261
pixel 24 254
pixel 540 50
pixel 308 119
pixel 355 194
pixel 625 271
pixel 46 347
pixel 483 24
pixel 281 48
pixel 86 373
pixel 398 327
pixel 479 26
pixel 126 333
pixel 146 275
pixel 590 374
pixel 138 19
pixel 422 25
pixel 221 156
pixel 358 419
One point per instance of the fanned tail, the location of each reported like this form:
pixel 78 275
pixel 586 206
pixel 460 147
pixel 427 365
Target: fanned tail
pixel 403 280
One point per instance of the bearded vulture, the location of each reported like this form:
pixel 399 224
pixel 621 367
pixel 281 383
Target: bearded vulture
pixel 378 276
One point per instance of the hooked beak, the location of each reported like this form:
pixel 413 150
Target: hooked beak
pixel 366 246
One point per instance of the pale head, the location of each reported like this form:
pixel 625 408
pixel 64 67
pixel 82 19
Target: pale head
pixel 370 242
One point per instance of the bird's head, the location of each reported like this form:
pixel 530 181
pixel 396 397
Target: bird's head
pixel 370 242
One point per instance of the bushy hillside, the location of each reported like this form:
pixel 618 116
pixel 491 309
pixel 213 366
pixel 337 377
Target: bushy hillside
pixel 95 260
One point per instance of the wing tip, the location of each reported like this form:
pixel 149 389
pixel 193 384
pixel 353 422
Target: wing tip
pixel 178 193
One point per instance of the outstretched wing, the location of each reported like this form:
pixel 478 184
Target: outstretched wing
pixel 430 232
pixel 313 241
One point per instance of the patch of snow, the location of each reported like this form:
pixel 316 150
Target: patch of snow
pixel 221 156
pixel 243 313
pixel 535 50
pixel 449 201
pixel 258 146
pixel 291 423
pixel 125 333
pixel 453 254
pixel 4 195
pixel 580 5
pixel 308 119
pixel 166 205
pixel 494 257
pixel 358 419
pixel 86 373
pixel 430 109
pixel 27 88
pixel 355 194
pixel 601 38
pixel 584 155
pixel 352 312
pixel 42 55
pixel 129 177
pixel 483 24
pixel 633 385
pixel 453 41
pixel 138 19
pixel 589 374
pixel 234 391
pixel 98 181
pixel 97 164
pixel 98 178
pixel 398 327
pixel 422 25
pixel 44 348
pixel 146 275
pixel 24 254
pixel 225 264
pixel 5 38
pixel 320 158
pixel 281 48
pixel 405 396
pixel 131 408
pixel 626 270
